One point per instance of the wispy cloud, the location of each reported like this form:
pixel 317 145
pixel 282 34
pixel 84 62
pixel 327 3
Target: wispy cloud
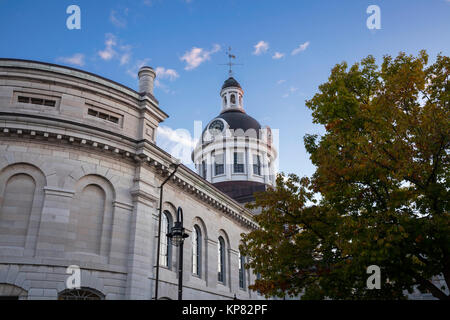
pixel 113 50
pixel 108 53
pixel 77 59
pixel 133 71
pixel 300 48
pixel 163 73
pixel 179 143
pixel 281 81
pixel 290 91
pixel 261 47
pixel 196 56
pixel 278 55
pixel 118 20
pixel 125 54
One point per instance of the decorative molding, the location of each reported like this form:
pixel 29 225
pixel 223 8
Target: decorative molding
pixel 52 191
pixel 188 181
pixel 123 205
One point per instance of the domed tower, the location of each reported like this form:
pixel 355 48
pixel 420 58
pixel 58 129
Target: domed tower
pixel 235 153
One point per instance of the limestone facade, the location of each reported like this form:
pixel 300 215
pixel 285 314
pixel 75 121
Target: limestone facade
pixel 79 185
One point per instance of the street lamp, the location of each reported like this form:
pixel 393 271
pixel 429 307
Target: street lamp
pixel 177 235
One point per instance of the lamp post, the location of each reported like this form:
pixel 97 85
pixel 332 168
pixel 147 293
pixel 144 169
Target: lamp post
pixel 177 235
pixel 158 249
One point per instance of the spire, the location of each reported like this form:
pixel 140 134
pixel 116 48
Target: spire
pixel 230 63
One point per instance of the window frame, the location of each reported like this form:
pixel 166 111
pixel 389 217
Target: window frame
pixel 197 253
pixel 238 165
pixel 221 261
pixel 257 166
pixel 165 242
pixel 218 165
pixel 242 278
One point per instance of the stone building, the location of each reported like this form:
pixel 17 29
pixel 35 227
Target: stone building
pixel 79 185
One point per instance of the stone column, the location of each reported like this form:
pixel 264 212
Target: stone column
pixel 142 243
pixel 265 168
pixel 209 166
pixel 249 163
pixel 228 162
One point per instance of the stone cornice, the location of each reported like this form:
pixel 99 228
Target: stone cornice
pixel 152 156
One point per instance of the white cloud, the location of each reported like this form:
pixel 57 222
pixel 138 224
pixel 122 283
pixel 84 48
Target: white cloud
pixel 119 22
pixel 261 47
pixel 125 58
pixel 278 55
pixel 300 48
pixel 77 59
pixel 125 54
pixel 196 56
pixel 290 92
pixel 108 53
pixel 133 71
pixel 112 50
pixel 179 143
pixel 281 81
pixel 164 73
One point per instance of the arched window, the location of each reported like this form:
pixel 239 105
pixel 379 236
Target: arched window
pixel 12 292
pixel 221 260
pixel 16 210
pixel 233 99
pixel 80 294
pixel 224 100
pixel 165 252
pixel 196 250
pixel 88 211
pixel 241 271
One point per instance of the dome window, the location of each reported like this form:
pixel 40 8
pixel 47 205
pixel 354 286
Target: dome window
pixel 233 99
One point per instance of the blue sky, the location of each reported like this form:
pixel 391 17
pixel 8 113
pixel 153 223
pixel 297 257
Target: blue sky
pixel 116 37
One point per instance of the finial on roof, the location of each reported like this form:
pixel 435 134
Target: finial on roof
pixel 230 63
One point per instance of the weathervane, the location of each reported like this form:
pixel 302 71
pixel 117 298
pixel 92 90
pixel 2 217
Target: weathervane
pixel 230 63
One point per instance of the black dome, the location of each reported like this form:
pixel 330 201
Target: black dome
pixel 231 82
pixel 239 120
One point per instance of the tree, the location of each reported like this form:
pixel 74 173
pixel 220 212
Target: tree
pixel 383 181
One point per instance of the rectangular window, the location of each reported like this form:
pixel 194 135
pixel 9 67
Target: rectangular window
pixel 238 162
pixel 23 99
pixel 256 164
pixel 103 115
pixel 219 164
pixel 36 101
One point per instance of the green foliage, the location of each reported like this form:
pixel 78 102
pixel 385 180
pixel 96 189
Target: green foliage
pixel 383 181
